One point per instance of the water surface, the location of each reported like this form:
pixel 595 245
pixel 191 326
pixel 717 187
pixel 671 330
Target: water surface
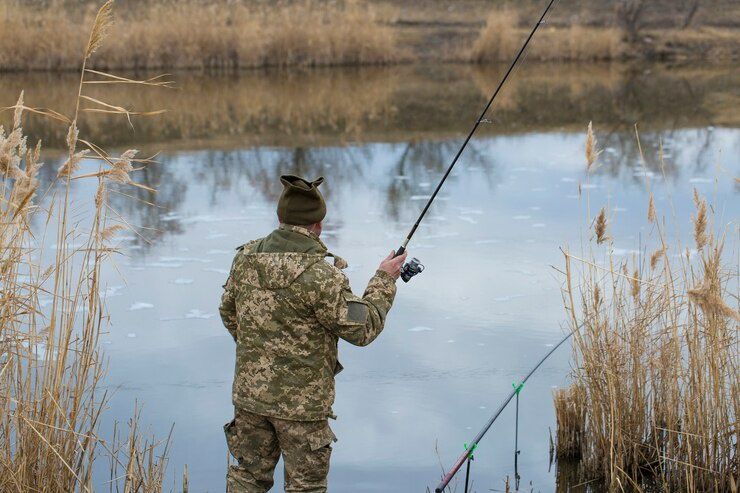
pixel 489 303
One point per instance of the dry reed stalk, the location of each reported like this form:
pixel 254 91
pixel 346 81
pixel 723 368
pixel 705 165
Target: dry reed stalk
pixel 51 319
pixel 656 370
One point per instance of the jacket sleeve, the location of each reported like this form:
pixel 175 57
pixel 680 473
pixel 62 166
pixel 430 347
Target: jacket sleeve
pixel 227 308
pixel 356 320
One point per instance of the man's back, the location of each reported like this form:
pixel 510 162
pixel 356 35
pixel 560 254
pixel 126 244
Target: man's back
pixel 290 307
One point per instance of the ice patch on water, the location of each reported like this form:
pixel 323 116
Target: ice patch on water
pixel 568 180
pixel 44 302
pixel 427 197
pixel 214 236
pixel 539 225
pixel 522 217
pixel 140 305
pixel 218 252
pixel 450 341
pixel 619 209
pixel 111 291
pixel 572 197
pixel 701 180
pixel 535 208
pixel 539 189
pixel 216 270
pixel 401 177
pixel 207 218
pixel 508 298
pixel 589 186
pixel 424 185
pixel 465 210
pixel 468 219
pixel 420 329
pixel 164 265
pixel 487 242
pixel 182 281
pixel 185 259
pixel 195 313
pixel 131 335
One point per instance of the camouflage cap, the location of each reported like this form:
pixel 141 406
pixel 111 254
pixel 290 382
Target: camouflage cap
pixel 301 203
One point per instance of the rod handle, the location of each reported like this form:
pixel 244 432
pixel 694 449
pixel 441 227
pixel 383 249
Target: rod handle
pixel 399 252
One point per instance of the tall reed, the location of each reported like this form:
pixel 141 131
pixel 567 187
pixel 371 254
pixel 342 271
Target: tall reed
pixel 503 35
pixel 656 377
pixel 52 312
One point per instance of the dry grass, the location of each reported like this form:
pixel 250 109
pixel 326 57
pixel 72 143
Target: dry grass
pixel 52 312
pixel 503 35
pixel 656 385
pixel 195 35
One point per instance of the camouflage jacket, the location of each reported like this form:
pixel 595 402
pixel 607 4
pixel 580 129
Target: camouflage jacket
pixel 286 308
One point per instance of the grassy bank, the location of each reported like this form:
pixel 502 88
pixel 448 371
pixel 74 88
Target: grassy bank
pixel 656 384
pixel 216 34
pixel 188 35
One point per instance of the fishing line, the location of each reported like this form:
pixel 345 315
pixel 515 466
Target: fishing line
pixel 414 267
pixel 473 444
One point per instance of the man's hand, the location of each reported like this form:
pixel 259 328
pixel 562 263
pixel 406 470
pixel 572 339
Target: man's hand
pixel 393 265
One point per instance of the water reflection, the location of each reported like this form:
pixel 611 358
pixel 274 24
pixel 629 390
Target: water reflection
pixel 330 107
pixel 488 302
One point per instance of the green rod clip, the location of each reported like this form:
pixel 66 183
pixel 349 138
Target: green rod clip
pixel 472 449
pixel 517 387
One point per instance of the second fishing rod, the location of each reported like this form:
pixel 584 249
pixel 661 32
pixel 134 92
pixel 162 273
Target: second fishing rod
pixel 414 267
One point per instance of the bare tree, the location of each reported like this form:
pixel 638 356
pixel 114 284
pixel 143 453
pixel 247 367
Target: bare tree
pixel 629 17
pixel 689 9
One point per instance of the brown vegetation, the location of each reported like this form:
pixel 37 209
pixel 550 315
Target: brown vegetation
pixel 502 36
pixel 193 35
pixel 52 312
pixel 656 382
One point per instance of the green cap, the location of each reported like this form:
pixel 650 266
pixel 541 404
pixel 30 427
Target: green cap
pixel 301 203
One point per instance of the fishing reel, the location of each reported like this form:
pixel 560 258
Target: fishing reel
pixel 410 269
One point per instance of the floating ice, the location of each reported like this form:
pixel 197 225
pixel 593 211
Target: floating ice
pixel 508 298
pixel 468 219
pixel 701 180
pixel 522 217
pixel 182 281
pixel 589 186
pixel 131 335
pixel 539 225
pixel 216 270
pixel 111 291
pixel 214 236
pixel 621 252
pixel 401 177
pixel 218 252
pixel 140 305
pixel 535 208
pixel 420 329
pixel 539 189
pixel 487 242
pixel 424 184
pixel 164 265
pixel 568 180
pixel 450 341
pixel 195 313
pixel 619 209
pixel 185 259
pixel 213 219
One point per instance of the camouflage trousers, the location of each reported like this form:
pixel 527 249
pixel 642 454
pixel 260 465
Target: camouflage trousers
pixel 257 443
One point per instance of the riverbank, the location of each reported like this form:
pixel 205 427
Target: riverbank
pixel 218 35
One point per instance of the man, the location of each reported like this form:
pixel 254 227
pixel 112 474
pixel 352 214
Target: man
pixel 286 307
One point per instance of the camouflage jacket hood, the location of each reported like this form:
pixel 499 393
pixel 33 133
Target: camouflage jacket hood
pixel 286 307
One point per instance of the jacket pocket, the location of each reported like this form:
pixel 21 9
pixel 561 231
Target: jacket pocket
pixel 230 432
pixel 321 438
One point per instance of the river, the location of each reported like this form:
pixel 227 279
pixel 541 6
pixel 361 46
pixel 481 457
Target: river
pixel 488 305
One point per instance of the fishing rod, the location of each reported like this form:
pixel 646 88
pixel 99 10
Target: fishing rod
pixel 413 267
pixel 472 445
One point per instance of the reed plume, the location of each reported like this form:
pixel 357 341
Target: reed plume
pixel 600 227
pixel 52 316
pixel 656 373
